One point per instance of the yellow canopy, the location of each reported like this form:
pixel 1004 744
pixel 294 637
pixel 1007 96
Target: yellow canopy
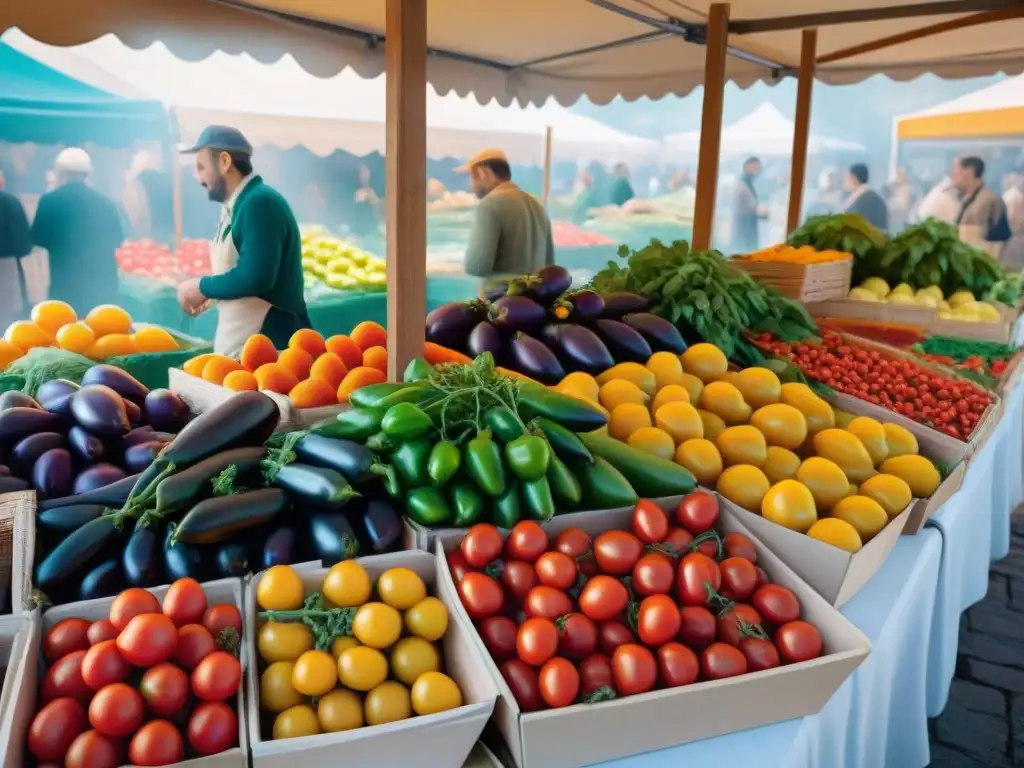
pixel 989 113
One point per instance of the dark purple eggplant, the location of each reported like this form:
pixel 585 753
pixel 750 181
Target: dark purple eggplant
pixel 383 525
pixel 70 518
pixel 181 560
pixel 333 538
pixel 140 558
pixel 15 399
pixel 137 436
pixel 140 456
pixel 13 484
pixel 86 448
pixel 100 410
pixel 22 421
pixel 352 459
pixel 659 332
pixel 484 338
pixel 5 471
pixel 165 411
pixel 28 450
pixel 618 304
pixel 318 487
pixel 122 382
pixel 532 357
pixel 493 289
pixel 76 552
pixel 280 547
pixel 548 283
pixel 517 313
pixel 579 348
pixel 98 476
pixel 104 580
pixel 625 343
pixel 219 518
pixel 582 306
pixel 186 487
pixel 134 413
pixel 113 495
pixel 56 395
pixel 232 560
pixel 54 473
pixel 450 324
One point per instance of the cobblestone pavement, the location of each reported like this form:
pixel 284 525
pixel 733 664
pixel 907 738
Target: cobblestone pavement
pixel 983 724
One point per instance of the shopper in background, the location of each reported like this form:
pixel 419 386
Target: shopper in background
pixel 511 233
pixel 980 207
pixel 622 188
pixel 746 211
pixel 81 230
pixel 901 197
pixel 15 244
pixel 862 200
pixel 1013 198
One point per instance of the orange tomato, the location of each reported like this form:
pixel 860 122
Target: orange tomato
pixel 359 377
pixel 258 350
pixel 218 367
pixel 52 315
pixel 298 361
pixel 152 338
pixel 370 334
pixel 76 337
pixel 25 336
pixel 274 377
pixel 329 368
pixel 376 357
pixel 349 352
pixel 108 318
pixel 308 340
pixel 194 366
pixel 112 345
pixel 241 381
pixel 313 393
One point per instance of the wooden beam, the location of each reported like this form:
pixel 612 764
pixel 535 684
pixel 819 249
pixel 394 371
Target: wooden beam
pixel 711 125
pixel 802 127
pixel 546 188
pixel 406 179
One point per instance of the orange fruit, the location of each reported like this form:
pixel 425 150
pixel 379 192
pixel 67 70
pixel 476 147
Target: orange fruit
pixel 329 368
pixel 376 357
pixel 275 377
pixel 76 337
pixel 194 366
pixel 370 334
pixel 8 354
pixel 298 361
pixel 112 345
pixel 258 350
pixel 241 381
pixel 349 352
pixel 309 340
pixel 219 366
pixel 25 336
pixel 313 393
pixel 359 377
pixel 52 315
pixel 152 338
pixel 108 318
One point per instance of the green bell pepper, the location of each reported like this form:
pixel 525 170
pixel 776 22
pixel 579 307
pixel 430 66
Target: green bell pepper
pixel 467 503
pixel 405 421
pixel 540 505
pixel 528 457
pixel 507 509
pixel 484 464
pixel 428 506
pixel 565 487
pixel 411 459
pixel 504 424
pixel 445 460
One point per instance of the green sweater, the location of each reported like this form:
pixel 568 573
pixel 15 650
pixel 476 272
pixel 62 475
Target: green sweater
pixel 511 234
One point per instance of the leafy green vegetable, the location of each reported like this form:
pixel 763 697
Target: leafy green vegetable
pixel 847 232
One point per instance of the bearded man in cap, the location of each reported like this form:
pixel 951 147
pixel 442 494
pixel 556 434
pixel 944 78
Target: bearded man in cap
pixel 256 254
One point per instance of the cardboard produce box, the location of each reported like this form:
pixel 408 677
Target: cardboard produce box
pixel 23 706
pixel 803 282
pixel 17 546
pixel 15 633
pixel 440 740
pixel 583 734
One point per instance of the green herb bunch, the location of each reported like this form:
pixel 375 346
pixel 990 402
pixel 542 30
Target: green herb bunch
pixel 846 232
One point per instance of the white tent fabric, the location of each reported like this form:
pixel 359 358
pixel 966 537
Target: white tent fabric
pixel 765 131
pixel 1005 94
pixel 283 105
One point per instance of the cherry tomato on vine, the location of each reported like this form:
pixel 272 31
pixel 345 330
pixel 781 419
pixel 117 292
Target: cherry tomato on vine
pixel 759 653
pixel 518 577
pixel 650 523
pixel 679 539
pixel 612 634
pixel 694 573
pixel 536 641
pixel 457 564
pixel 603 598
pixel 521 679
pixel 526 541
pixel 617 552
pixel 481 595
pixel 653 574
pixel 559 682
pixel 738 545
pixel 708 547
pixel 574 542
pixel 220 617
pixel 658 621
pixel 720 660
pixel 634 669
pixel 595 673
pixel 697 626
pixel 677 664
pixel 481 544
pixel 547 603
pixel 499 636
pixel 739 578
pixel 798 641
pixel 776 604
pixel 697 512
pixel 577 636
pixel 556 569
pixel 728 627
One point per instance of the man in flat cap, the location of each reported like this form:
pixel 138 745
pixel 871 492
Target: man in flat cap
pixel 256 254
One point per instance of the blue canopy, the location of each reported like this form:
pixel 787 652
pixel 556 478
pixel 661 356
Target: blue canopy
pixel 39 104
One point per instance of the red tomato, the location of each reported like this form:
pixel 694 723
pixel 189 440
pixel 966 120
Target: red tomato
pixel 559 682
pixel 481 544
pixel 64 637
pixel 658 620
pixel 164 689
pixel 617 552
pixel 518 577
pixel 185 602
pixel 695 572
pixel 547 603
pixel 776 604
pixel 457 565
pixel 148 639
pixel 697 626
pixel 130 604
pixel 521 679
pixel 595 674
pixel 697 512
pixel 103 664
pixel 212 728
pixel 612 634
pixel 556 569
pixel 653 574
pixel 195 643
pixel 798 641
pixel 729 629
pixel 760 653
pixel 101 630
pixel 738 545
pixel 574 542
pixel 708 547
pixel 739 577
pixel 65 679
pixel 588 567
pixel 762 577
pixel 499 636
pixel 678 665
pixel 526 541
pixel 679 539
pixel 93 750
pixel 634 669
pixel 577 636
pixel 116 710
pixel 481 595
pixel 603 598
pixel 53 729
pixel 220 617
pixel 720 660
pixel 536 641
pixel 650 523
pixel 217 677
pixel 157 743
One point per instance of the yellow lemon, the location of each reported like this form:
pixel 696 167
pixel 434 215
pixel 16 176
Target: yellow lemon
pixel 619 391
pixel 702 458
pixel 666 367
pixel 838 533
pixel 627 419
pixel 654 441
pixel 680 420
pixel 705 361
pixel 759 386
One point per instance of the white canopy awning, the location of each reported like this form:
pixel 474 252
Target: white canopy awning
pixel 997 110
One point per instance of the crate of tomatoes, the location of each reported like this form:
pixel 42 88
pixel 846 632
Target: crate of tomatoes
pixel 597 624
pixel 146 678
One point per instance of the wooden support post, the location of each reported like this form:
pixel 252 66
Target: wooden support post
pixel 546 188
pixel 174 159
pixel 406 175
pixel 801 128
pixel 711 124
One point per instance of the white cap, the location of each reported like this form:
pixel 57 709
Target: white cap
pixel 483 156
pixel 73 160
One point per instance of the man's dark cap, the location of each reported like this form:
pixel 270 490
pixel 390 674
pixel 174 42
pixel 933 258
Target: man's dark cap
pixel 223 138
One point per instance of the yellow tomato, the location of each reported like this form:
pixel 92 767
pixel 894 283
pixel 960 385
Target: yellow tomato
pixel 628 418
pixel 411 657
pixel 401 588
pixel 295 722
pixel 362 668
pixel 315 673
pixel 377 625
pixel 276 690
pixel 387 703
pixel 340 710
pixel 838 533
pixel 283 641
pixel 427 619
pixel 618 391
pixel 342 644
pixel 347 584
pixel 435 692
pixel 666 367
pixel 654 441
pixel 280 589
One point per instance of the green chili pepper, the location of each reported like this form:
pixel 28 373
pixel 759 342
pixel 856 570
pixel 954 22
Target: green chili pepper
pixel 507 509
pixel 565 443
pixel 505 425
pixel 380 443
pixel 604 487
pixel 389 478
pixel 418 369
pixel 445 460
pixel 467 504
pixel 371 395
pixel 405 421
pixel 540 505
pixel 484 464
pixel 565 487
pixel 528 457
pixel 354 424
pixel 428 506
pixel 411 459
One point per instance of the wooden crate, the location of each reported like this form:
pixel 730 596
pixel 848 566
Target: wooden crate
pixel 924 318
pixel 803 282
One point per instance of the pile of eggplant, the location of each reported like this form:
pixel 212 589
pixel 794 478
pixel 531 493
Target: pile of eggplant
pixel 71 439
pixel 536 325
